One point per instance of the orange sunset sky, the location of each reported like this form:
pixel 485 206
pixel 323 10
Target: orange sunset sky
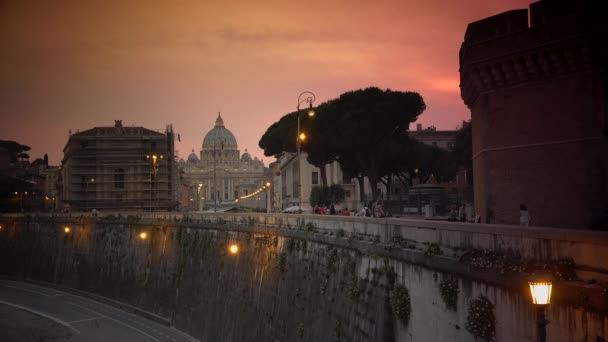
pixel 79 64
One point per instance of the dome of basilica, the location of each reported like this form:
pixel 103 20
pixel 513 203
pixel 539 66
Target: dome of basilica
pixel 218 136
pixel 246 156
pixel 192 157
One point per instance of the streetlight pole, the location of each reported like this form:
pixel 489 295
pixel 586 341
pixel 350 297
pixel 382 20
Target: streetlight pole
pixel 541 298
pixel 216 192
pixel 309 98
pixel 268 197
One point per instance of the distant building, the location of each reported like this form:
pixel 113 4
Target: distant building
pixel 431 136
pixel 535 82
pixel 223 173
pixel 119 168
pixel 296 177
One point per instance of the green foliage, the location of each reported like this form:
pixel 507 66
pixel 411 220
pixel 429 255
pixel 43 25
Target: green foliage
pixel 481 321
pixel 448 287
pixel 327 195
pixel 433 249
pixel 401 303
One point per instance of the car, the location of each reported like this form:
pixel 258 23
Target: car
pixel 296 210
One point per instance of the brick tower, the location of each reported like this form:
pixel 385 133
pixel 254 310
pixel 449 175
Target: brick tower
pixel 537 89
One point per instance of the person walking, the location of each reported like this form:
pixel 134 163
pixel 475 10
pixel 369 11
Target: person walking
pixel 332 210
pixel 379 208
pixel 462 213
pixel 524 215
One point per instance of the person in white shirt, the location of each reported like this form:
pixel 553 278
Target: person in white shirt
pixel 524 215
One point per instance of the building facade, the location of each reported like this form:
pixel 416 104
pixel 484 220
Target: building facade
pixel 219 175
pixel 535 82
pixel 119 168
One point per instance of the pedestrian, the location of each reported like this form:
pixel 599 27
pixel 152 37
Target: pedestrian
pixel 462 213
pixel 332 210
pixel 453 213
pixel 524 215
pixel 365 211
pixel 379 208
pixel 346 212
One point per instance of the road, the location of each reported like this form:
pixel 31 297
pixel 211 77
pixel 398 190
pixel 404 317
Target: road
pixel 34 313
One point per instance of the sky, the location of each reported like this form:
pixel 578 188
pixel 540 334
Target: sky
pixel 74 65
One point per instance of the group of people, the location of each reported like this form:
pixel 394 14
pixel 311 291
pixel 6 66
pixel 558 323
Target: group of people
pixel 377 210
pixel 458 213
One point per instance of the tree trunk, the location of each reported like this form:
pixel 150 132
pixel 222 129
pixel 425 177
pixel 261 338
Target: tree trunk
pixel 323 175
pixel 361 181
pixel 389 185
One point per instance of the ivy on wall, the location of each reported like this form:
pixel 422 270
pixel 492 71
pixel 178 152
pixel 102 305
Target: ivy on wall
pixel 481 321
pixel 401 303
pixel 448 287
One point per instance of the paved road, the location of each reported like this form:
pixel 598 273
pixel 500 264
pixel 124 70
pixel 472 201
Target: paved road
pixel 34 313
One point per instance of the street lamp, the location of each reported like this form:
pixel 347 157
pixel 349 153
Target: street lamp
pixel 267 186
pixel 541 297
pixel 234 249
pixel 155 161
pixel 86 200
pixel 309 98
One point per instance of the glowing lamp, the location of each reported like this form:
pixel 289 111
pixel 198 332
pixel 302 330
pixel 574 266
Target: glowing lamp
pixel 66 230
pixel 267 184
pixel 302 136
pixel 541 292
pixel 143 235
pixel 311 113
pixel 234 249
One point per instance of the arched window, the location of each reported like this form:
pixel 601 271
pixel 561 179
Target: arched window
pixel 119 178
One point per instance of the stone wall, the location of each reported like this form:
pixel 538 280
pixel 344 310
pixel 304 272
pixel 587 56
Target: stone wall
pixel 299 277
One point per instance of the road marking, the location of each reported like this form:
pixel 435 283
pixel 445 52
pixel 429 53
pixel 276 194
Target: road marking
pixel 30 285
pixel 85 320
pixel 117 321
pixel 36 312
pixel 28 290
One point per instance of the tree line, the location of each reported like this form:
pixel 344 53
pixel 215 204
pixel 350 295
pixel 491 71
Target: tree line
pixel 366 132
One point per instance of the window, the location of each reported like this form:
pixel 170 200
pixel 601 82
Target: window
pixel 119 178
pixel 246 192
pixel 225 195
pixel 346 193
pixel 315 178
pixel 236 194
pixel 83 182
pixel 346 179
pixel 153 145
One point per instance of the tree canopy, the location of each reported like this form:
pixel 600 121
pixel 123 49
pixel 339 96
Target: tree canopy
pixel 365 131
pixel 15 149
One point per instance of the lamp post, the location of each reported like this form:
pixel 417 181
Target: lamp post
pixel 86 197
pixel 541 297
pixel 198 196
pixel 216 192
pixel 155 159
pixel 268 197
pixel 309 98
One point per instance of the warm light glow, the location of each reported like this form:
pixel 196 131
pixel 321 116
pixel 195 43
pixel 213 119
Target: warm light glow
pixel 200 185
pixel 311 113
pixel 236 200
pixel 234 249
pixel 267 184
pixel 154 157
pixel 302 137
pixel 541 292
pixel 66 229
pixel 143 235
pixel 92 179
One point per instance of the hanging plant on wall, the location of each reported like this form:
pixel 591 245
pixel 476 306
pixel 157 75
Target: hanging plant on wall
pixel 481 321
pixel 449 292
pixel 401 303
